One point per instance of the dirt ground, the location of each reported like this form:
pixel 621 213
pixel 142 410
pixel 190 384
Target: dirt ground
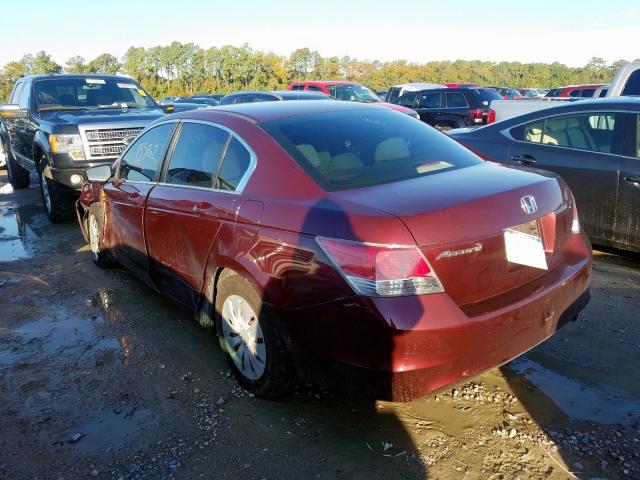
pixel 101 377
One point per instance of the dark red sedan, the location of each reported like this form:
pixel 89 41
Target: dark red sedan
pixel 339 237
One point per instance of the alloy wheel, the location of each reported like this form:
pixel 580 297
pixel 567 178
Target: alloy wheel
pixel 243 337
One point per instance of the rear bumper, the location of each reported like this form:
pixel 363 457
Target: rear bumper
pixel 405 347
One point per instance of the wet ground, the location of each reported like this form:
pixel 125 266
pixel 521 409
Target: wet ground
pixel 101 377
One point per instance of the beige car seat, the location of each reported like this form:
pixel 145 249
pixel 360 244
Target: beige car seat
pixel 394 148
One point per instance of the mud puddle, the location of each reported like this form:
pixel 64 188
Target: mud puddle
pixel 579 401
pixel 20 229
pixel 54 335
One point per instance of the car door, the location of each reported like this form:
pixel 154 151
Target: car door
pixel 21 130
pixel 199 192
pixel 136 175
pixel 628 204
pixel 430 107
pixel 456 109
pixel 584 149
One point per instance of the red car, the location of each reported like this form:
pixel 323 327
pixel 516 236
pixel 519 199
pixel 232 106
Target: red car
pixel 460 84
pixel 348 91
pixel 343 238
pixel 576 91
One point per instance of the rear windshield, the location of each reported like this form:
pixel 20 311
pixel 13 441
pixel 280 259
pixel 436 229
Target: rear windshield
pixel 487 95
pixel 352 149
pixel 90 93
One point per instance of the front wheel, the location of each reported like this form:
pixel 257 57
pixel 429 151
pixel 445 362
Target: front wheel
pixel 249 335
pixel 95 224
pixel 58 205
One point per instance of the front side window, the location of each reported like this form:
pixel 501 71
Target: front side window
pixel 298 87
pixel 588 92
pixel 23 100
pixel 16 93
pixel 589 131
pixel 353 149
pixel 574 93
pixel 431 100
pixel 235 164
pixel 407 100
pixel 456 100
pixel 196 155
pixel 142 161
pixel 314 88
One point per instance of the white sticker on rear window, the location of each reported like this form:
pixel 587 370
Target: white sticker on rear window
pixel 127 85
pixel 432 166
pixel 95 80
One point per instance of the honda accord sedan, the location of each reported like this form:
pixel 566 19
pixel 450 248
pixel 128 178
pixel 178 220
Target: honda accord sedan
pixel 341 243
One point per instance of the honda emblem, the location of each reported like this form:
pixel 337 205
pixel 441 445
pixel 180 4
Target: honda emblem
pixel 528 204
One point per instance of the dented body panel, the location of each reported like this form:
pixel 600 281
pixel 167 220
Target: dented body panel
pixel 179 238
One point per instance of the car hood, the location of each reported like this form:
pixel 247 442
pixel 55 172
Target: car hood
pixel 77 117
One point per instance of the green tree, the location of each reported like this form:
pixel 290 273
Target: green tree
pixel 44 64
pixel 76 64
pixel 105 64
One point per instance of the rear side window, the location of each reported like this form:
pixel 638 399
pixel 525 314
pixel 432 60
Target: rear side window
pixel 430 100
pixel 592 132
pixel 196 155
pixel 235 165
pixel 143 159
pixel 632 87
pixel 314 88
pixel 456 100
pixel 352 149
pixel 407 100
pixel 574 93
pixel 588 92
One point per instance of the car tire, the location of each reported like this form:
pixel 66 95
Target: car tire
pixel 58 206
pixel 95 225
pixel 18 176
pixel 249 336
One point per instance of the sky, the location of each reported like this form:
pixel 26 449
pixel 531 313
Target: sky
pixel 567 31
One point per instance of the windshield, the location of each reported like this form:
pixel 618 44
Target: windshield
pixel 352 93
pixel 352 149
pixel 90 93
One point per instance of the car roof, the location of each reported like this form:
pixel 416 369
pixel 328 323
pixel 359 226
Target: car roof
pixel 77 75
pixel 264 111
pixel 419 86
pixel 324 82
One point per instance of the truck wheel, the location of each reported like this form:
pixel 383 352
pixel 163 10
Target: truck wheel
pixel 248 335
pixel 95 225
pixel 59 207
pixel 18 176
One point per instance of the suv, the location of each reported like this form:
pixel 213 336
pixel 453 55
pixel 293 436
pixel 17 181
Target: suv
pixel 57 126
pixel 448 108
pixel 347 91
pixel 399 90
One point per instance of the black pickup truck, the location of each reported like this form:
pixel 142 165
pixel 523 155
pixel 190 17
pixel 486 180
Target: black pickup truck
pixel 57 126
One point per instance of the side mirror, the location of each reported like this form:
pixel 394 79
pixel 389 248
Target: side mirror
pixel 10 111
pixel 101 173
pixel 167 108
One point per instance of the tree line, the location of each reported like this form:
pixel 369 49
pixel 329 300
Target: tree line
pixel 186 68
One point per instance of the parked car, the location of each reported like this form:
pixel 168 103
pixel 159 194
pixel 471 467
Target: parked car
pixel 211 102
pixel 341 236
pixel 215 96
pixel 530 93
pixel 626 82
pixel 58 125
pixel 382 94
pixel 262 96
pixel 347 91
pixel 168 100
pixel 460 84
pixel 398 90
pixel 594 145
pixel 576 91
pixel 508 93
pixel 448 108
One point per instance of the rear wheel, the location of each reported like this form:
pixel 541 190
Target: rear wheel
pixel 58 204
pixel 249 336
pixel 18 176
pixel 95 225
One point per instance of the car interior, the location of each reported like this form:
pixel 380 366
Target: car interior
pixel 583 132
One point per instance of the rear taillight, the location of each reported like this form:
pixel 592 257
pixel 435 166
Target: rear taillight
pixel 382 270
pixel 491 116
pixel 476 115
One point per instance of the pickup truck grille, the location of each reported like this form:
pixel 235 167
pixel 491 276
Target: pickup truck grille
pixel 106 143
